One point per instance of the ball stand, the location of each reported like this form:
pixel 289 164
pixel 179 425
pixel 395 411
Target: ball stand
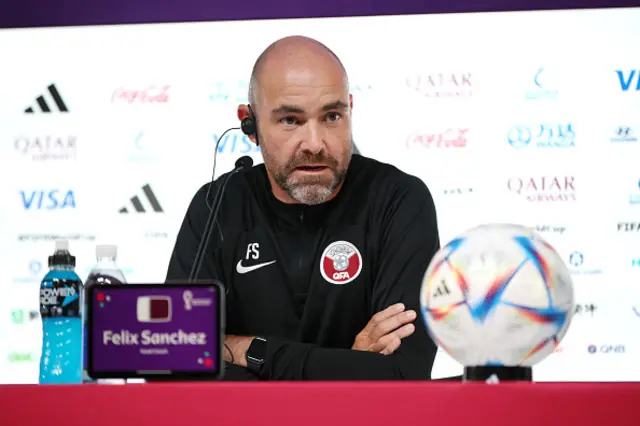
pixel 495 375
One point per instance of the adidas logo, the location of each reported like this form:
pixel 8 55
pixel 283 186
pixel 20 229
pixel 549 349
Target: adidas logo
pixel 137 204
pixel 441 290
pixel 43 106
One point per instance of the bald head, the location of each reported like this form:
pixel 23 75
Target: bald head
pixel 300 97
pixel 292 54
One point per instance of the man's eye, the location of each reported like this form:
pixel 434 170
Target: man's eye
pixel 333 116
pixel 289 121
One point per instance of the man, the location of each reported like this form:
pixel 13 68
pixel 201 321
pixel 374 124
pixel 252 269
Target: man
pixel 322 251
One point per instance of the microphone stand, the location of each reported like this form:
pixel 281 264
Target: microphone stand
pixel 242 164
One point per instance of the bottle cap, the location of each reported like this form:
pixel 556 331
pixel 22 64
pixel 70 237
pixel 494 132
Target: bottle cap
pixel 61 256
pixel 106 250
pixel 62 245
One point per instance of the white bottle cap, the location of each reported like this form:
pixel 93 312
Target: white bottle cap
pixel 62 245
pixel 106 250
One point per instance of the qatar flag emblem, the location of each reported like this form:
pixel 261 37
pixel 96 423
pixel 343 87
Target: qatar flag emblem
pixel 340 263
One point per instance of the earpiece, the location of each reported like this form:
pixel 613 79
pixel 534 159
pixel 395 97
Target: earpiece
pixel 249 125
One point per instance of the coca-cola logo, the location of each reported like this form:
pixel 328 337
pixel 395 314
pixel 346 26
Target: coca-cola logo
pixel 442 85
pixel 544 188
pixel 47 147
pixel 151 94
pixel 450 138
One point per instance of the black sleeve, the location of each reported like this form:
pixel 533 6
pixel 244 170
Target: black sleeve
pixel 409 240
pixel 188 240
pixel 184 253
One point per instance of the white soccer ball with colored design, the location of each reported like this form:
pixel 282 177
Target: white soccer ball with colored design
pixel 497 295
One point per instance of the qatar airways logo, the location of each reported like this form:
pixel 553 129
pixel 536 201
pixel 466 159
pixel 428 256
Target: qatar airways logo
pixel 149 95
pixel 450 138
pixel 544 189
pixel 47 147
pixel 442 85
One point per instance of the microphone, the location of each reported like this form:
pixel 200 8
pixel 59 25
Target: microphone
pixel 243 164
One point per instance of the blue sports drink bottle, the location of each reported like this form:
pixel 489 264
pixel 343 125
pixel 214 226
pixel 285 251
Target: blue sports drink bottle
pixel 61 312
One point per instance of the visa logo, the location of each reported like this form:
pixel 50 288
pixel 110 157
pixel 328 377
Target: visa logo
pixel 234 143
pixel 627 80
pixel 48 200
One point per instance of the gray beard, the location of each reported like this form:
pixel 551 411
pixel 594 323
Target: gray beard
pixel 311 194
pixel 312 191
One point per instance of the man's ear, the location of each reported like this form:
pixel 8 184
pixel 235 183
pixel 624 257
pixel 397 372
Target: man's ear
pixel 350 101
pixel 242 113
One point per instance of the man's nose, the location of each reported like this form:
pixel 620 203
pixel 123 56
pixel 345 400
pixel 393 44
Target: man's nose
pixel 313 138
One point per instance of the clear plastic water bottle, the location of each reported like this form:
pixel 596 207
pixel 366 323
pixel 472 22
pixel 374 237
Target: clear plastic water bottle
pixel 105 271
pixel 61 311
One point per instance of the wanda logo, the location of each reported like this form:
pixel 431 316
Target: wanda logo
pixel 450 138
pixel 151 94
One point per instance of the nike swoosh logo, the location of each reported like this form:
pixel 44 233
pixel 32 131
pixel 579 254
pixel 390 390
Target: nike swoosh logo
pixel 244 269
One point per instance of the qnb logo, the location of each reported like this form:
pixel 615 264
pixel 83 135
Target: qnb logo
pixel 42 105
pixel 606 349
pixel 544 135
pixel 635 263
pixel 450 138
pixel 234 143
pixel 137 204
pixel 51 199
pixel 629 80
pixel 542 90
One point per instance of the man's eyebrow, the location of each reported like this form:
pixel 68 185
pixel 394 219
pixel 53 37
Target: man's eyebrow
pixel 287 109
pixel 295 109
pixel 335 105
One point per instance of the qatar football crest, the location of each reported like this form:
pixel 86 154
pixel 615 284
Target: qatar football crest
pixel 340 263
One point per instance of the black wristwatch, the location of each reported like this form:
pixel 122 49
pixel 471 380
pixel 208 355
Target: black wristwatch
pixel 256 354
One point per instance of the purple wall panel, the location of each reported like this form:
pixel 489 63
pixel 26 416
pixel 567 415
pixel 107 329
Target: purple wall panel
pixel 41 13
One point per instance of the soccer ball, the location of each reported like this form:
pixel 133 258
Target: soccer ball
pixel 497 295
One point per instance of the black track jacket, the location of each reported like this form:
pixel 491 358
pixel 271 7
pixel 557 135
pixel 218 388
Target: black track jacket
pixel 309 278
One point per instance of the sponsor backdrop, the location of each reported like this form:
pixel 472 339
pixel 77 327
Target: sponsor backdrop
pixel 530 117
